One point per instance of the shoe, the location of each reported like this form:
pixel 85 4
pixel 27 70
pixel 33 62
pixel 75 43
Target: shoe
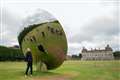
pixel 25 76
pixel 31 75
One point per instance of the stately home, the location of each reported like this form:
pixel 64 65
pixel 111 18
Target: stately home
pixel 97 54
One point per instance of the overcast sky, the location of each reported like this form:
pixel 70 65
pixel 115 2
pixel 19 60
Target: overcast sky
pixel 88 23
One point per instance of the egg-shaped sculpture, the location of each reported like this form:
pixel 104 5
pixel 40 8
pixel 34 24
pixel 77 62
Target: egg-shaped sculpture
pixel 46 38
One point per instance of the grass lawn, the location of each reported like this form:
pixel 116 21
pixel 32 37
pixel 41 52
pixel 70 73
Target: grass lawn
pixel 70 70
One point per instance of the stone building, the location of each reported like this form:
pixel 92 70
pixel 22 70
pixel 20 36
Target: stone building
pixel 97 54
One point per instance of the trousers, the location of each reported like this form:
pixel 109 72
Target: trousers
pixel 29 67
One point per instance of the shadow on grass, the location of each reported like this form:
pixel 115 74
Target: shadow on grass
pixel 49 73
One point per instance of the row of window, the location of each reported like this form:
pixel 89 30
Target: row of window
pixel 52 30
pixel 97 55
pixel 33 38
pixel 97 58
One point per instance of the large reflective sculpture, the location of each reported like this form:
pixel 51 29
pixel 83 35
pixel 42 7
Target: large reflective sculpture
pixel 46 38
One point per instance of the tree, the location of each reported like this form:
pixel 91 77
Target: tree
pixel 10 54
pixel 116 55
pixel 80 55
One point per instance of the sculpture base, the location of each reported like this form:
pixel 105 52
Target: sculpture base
pixel 41 67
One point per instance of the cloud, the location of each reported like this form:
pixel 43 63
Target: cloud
pixel 102 27
pixel 97 33
pixel 10 27
pixel 39 16
pixel 10 20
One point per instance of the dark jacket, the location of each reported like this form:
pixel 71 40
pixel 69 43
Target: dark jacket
pixel 28 57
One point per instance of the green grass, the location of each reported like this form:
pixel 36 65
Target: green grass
pixel 70 70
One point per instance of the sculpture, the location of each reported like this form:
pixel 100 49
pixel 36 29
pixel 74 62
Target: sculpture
pixel 47 41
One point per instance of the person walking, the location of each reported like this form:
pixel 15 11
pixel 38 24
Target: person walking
pixel 29 60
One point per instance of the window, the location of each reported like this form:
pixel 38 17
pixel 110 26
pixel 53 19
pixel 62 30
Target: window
pixel 43 34
pixel 41 48
pixel 31 40
pixel 52 30
pixel 48 28
pixel 57 31
pixel 34 39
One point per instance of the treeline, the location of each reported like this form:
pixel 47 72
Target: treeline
pixel 76 56
pixel 116 55
pixel 10 54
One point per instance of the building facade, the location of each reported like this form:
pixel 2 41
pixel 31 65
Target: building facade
pixel 97 54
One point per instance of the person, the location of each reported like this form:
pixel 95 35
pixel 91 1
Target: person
pixel 29 60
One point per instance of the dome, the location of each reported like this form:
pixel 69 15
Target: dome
pixel 108 48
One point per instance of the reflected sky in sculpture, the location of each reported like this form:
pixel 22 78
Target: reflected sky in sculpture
pixel 40 16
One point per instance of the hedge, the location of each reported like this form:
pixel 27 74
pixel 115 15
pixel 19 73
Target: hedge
pixel 10 54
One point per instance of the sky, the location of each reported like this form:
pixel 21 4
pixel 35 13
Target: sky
pixel 87 23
